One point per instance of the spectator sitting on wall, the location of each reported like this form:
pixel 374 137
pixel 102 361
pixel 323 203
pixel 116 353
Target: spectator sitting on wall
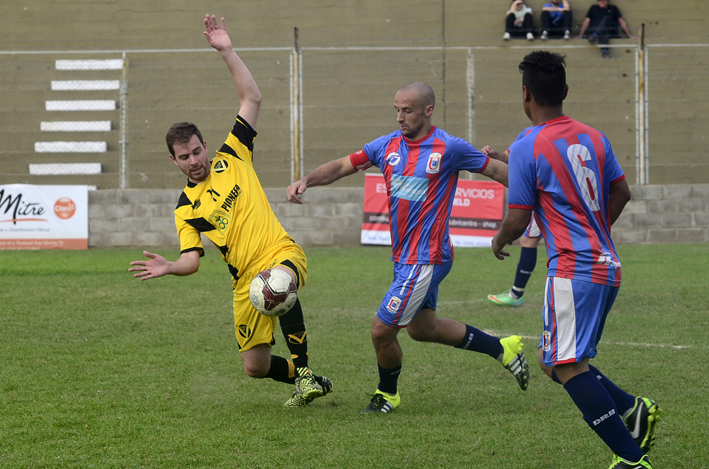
pixel 556 20
pixel 602 21
pixel 519 21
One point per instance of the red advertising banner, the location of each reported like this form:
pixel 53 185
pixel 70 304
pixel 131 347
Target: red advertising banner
pixel 477 212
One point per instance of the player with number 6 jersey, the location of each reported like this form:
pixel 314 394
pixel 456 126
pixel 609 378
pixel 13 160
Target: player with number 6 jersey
pixel 561 156
pixel 565 173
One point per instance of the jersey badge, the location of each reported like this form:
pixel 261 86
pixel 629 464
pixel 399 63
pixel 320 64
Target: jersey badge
pixel 547 341
pixel 197 203
pixel 434 163
pixel 394 304
pixel 221 166
pixel 220 221
pixel 393 158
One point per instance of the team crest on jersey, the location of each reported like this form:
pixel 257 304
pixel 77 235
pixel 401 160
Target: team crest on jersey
pixel 244 331
pixel 220 221
pixel 547 341
pixel 393 158
pixel 221 166
pixel 434 163
pixel 394 304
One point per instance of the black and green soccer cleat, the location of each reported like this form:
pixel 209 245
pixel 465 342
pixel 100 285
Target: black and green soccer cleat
pixel 382 403
pixel 620 463
pixel 641 420
pixel 307 388
pixel 513 360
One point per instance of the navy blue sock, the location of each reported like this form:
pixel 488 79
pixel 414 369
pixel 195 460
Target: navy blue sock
pixel 554 377
pixel 525 267
pixel 623 400
pixel 601 415
pixel 477 341
pixel 388 378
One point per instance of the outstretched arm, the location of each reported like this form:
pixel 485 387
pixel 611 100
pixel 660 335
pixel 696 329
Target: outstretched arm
pixel 498 155
pixel 497 171
pixel 246 88
pixel 157 266
pixel 321 176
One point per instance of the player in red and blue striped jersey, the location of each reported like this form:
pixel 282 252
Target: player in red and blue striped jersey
pixel 420 163
pixel 566 173
pixel 421 186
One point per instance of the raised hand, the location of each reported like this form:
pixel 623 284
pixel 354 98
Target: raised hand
pixel 216 37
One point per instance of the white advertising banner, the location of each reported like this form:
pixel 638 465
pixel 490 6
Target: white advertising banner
pixel 44 217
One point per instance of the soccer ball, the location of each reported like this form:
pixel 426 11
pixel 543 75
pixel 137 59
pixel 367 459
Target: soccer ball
pixel 273 293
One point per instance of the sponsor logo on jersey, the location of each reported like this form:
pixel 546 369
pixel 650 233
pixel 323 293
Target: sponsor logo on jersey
pixel 434 163
pixel 231 198
pixel 547 341
pixel 393 158
pixel 197 203
pixel 409 188
pixel 394 304
pixel 220 166
pixel 607 259
pixel 220 221
pixel 244 331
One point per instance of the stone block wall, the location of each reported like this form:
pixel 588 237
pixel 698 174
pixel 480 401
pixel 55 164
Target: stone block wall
pixel 332 216
pixel 665 214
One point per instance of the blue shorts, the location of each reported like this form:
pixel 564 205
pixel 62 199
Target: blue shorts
pixel 415 286
pixel 575 312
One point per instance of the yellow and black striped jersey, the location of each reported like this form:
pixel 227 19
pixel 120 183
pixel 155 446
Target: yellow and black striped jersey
pixel 230 207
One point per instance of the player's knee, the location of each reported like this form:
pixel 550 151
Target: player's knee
pixel 419 334
pixel 254 370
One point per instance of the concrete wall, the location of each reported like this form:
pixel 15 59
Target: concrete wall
pixel 332 216
pixel 348 94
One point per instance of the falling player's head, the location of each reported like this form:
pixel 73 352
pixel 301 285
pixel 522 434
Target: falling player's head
pixel 544 75
pixel 181 132
pixel 188 151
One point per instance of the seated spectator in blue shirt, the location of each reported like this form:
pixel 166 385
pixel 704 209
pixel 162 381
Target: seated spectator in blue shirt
pixel 556 20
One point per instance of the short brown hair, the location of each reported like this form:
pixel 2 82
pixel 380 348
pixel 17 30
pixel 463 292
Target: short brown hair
pixel 181 132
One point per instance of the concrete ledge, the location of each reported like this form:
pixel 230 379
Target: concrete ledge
pixel 333 216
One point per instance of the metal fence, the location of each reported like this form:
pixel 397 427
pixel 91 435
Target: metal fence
pixel 99 117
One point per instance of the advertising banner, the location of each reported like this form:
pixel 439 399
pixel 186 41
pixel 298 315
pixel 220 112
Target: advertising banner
pixel 44 217
pixel 477 212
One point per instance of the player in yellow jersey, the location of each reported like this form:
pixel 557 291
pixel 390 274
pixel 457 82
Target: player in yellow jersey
pixel 224 201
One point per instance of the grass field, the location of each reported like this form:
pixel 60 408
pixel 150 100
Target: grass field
pixel 99 370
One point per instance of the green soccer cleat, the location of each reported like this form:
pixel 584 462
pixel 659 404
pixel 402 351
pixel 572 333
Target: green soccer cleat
pixel 300 400
pixel 620 463
pixel 513 359
pixel 641 420
pixel 306 388
pixel 382 403
pixel 505 299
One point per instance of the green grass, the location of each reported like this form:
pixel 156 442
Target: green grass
pixel 99 370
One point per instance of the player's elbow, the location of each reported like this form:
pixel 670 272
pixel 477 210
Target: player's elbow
pixel 255 98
